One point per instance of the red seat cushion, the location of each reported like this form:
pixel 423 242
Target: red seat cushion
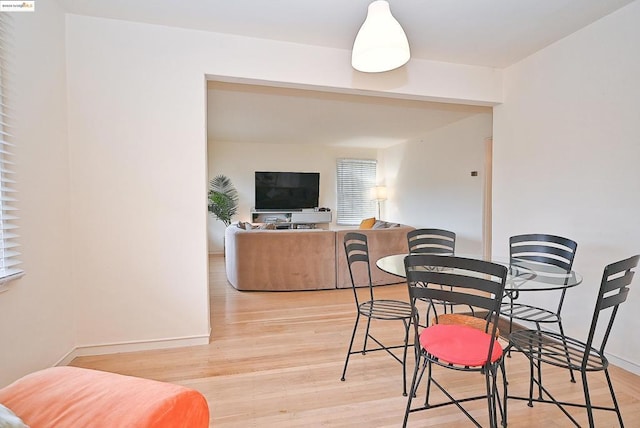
pixel 459 344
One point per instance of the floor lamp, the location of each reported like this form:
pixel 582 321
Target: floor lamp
pixel 380 194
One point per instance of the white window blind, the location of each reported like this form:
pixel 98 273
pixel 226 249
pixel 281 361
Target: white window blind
pixel 8 254
pixel 356 178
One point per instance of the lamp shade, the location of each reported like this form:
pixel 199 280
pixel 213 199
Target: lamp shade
pixel 380 193
pixel 381 44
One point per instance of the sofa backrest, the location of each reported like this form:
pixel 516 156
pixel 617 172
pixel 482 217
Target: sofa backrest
pixel 279 260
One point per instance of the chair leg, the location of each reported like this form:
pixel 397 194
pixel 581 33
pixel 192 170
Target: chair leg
pixel 531 375
pixel 495 403
pixel 429 377
pixel 587 399
pixel 491 404
pixel 539 366
pixel 566 350
pixel 504 393
pixel 366 336
pixel 613 398
pixel 511 298
pixel 353 335
pixel 412 390
pixel 407 326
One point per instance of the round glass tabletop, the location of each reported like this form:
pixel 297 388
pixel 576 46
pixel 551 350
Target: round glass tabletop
pixel 522 275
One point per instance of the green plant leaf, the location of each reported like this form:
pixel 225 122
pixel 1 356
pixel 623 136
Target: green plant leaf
pixel 223 199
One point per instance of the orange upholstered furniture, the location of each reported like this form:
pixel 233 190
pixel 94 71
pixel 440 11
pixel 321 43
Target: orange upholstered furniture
pixel 65 397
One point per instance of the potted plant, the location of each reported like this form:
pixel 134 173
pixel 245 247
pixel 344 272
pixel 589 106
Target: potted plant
pixel 223 199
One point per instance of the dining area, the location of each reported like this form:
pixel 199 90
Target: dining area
pixel 466 313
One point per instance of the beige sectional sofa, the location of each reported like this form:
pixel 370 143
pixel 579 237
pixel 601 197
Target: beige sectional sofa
pixel 304 259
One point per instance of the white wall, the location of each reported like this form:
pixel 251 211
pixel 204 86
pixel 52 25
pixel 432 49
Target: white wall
pixel 36 312
pixel 138 165
pixel 430 184
pixel 567 160
pixel 138 161
pixel 239 161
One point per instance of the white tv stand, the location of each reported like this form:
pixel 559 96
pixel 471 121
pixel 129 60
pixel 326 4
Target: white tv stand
pixel 291 219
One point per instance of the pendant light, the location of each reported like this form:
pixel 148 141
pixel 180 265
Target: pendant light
pixel 381 44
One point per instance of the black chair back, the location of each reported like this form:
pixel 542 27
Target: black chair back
pixel 357 251
pixel 459 280
pixel 614 289
pixel 543 248
pixel 431 241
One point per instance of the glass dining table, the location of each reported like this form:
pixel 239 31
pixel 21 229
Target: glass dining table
pixel 522 275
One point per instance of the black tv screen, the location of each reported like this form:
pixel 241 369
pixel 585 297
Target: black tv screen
pixel 287 190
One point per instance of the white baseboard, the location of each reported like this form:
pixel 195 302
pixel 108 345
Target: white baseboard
pixel 143 345
pixel 66 359
pixel 146 345
pixel 624 364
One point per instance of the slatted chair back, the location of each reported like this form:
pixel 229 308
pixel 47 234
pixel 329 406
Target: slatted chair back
pixel 543 248
pixel 431 241
pixel 457 280
pixel 357 252
pixel 548 249
pixel 614 289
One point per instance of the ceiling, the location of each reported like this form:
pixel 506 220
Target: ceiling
pixel 493 33
pixel 263 114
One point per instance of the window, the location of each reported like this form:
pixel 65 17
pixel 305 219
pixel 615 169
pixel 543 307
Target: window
pixel 8 253
pixel 356 178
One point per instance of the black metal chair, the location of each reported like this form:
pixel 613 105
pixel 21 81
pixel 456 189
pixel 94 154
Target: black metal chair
pixel 357 252
pixel 544 249
pixel 542 347
pixel 443 243
pixel 454 346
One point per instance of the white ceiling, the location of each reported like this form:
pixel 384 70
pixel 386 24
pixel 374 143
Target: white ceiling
pixel 494 33
pixel 262 114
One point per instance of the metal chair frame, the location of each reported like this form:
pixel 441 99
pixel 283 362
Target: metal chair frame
pixel 465 281
pixel 433 241
pixel 543 347
pixel 357 251
pixel 546 249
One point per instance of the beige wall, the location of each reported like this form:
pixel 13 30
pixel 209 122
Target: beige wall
pixel 430 183
pixel 566 161
pixel 138 152
pixel 37 311
pixel 138 167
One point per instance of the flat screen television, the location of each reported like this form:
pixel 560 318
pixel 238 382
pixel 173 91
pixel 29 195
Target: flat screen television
pixel 287 190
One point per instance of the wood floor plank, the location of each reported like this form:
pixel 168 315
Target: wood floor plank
pixel 275 360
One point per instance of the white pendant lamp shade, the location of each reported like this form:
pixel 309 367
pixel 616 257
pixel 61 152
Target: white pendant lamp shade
pixel 381 44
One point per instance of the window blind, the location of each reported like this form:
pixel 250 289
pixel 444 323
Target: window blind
pixel 9 262
pixel 356 178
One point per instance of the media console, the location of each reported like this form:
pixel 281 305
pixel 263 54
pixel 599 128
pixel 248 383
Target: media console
pixel 291 219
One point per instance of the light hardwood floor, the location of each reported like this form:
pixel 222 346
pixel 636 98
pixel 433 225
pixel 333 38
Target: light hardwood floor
pixel 275 360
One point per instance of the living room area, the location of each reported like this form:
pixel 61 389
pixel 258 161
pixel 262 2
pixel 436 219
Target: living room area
pixel 298 130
